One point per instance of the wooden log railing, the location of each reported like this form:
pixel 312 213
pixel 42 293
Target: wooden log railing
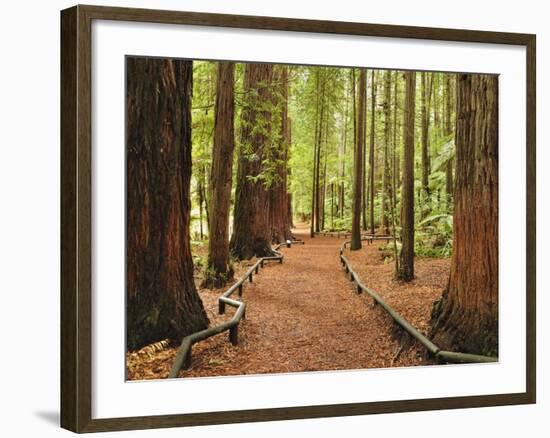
pixel 439 354
pixel 369 238
pixel 184 355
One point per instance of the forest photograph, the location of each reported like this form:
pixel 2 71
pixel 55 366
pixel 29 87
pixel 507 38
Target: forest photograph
pixel 297 218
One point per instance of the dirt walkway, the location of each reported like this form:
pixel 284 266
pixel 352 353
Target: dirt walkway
pixel 302 315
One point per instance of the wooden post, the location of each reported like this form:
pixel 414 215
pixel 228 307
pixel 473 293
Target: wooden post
pixel 221 307
pixel 250 277
pixel 241 290
pixel 234 334
pixel 187 362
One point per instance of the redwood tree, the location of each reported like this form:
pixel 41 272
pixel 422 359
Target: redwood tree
pixel 466 317
pixel 386 194
pixel 279 216
pixel 358 174
pixel 251 231
pixel 162 301
pixel 219 270
pixel 406 265
pixel 372 152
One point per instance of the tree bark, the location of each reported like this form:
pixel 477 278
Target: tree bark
pixel 358 183
pixel 426 93
pixel 406 265
pixel 315 147
pixel 448 131
pixel 219 270
pixel 386 171
pixel 162 301
pixel 280 224
pixel 466 317
pixel 372 151
pixel 251 231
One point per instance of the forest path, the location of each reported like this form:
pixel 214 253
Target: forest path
pixel 302 315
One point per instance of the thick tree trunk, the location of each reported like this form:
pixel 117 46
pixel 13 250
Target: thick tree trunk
pixel 358 183
pixel 406 265
pixel 280 225
pixel 219 271
pixel 162 301
pixel 251 231
pixel 466 318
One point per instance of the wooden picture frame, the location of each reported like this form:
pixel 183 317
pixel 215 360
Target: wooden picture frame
pixel 76 217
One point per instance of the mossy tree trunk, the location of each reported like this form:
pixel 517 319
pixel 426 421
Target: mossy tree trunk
pixel 251 232
pixel 280 222
pixel 218 269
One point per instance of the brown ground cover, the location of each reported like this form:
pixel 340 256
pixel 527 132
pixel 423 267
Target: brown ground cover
pixel 303 315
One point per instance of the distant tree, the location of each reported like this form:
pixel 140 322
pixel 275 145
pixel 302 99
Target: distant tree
pixel 358 175
pixel 372 152
pixel 426 93
pixel 386 187
pixel 406 265
pixel 162 301
pixel 466 317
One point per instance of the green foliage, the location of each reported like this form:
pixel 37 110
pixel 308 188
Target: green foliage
pixel 434 236
pixel 446 148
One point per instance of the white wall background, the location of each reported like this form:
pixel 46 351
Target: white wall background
pixel 29 220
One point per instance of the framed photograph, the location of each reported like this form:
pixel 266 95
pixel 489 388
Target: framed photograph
pixel 269 218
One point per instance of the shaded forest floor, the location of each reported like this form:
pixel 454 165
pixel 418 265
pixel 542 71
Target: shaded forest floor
pixel 303 315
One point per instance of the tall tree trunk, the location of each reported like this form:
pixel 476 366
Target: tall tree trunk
pixel 448 131
pixel 342 162
pixel 371 154
pixel 324 192
pixel 290 218
pixel 162 301
pixel 365 187
pixel 354 113
pixel 395 167
pixel 315 148
pixel 466 317
pixel 358 183
pixel 318 163
pixel 426 93
pixel 251 231
pixel 406 265
pixel 280 224
pixel 387 133
pixel 219 271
